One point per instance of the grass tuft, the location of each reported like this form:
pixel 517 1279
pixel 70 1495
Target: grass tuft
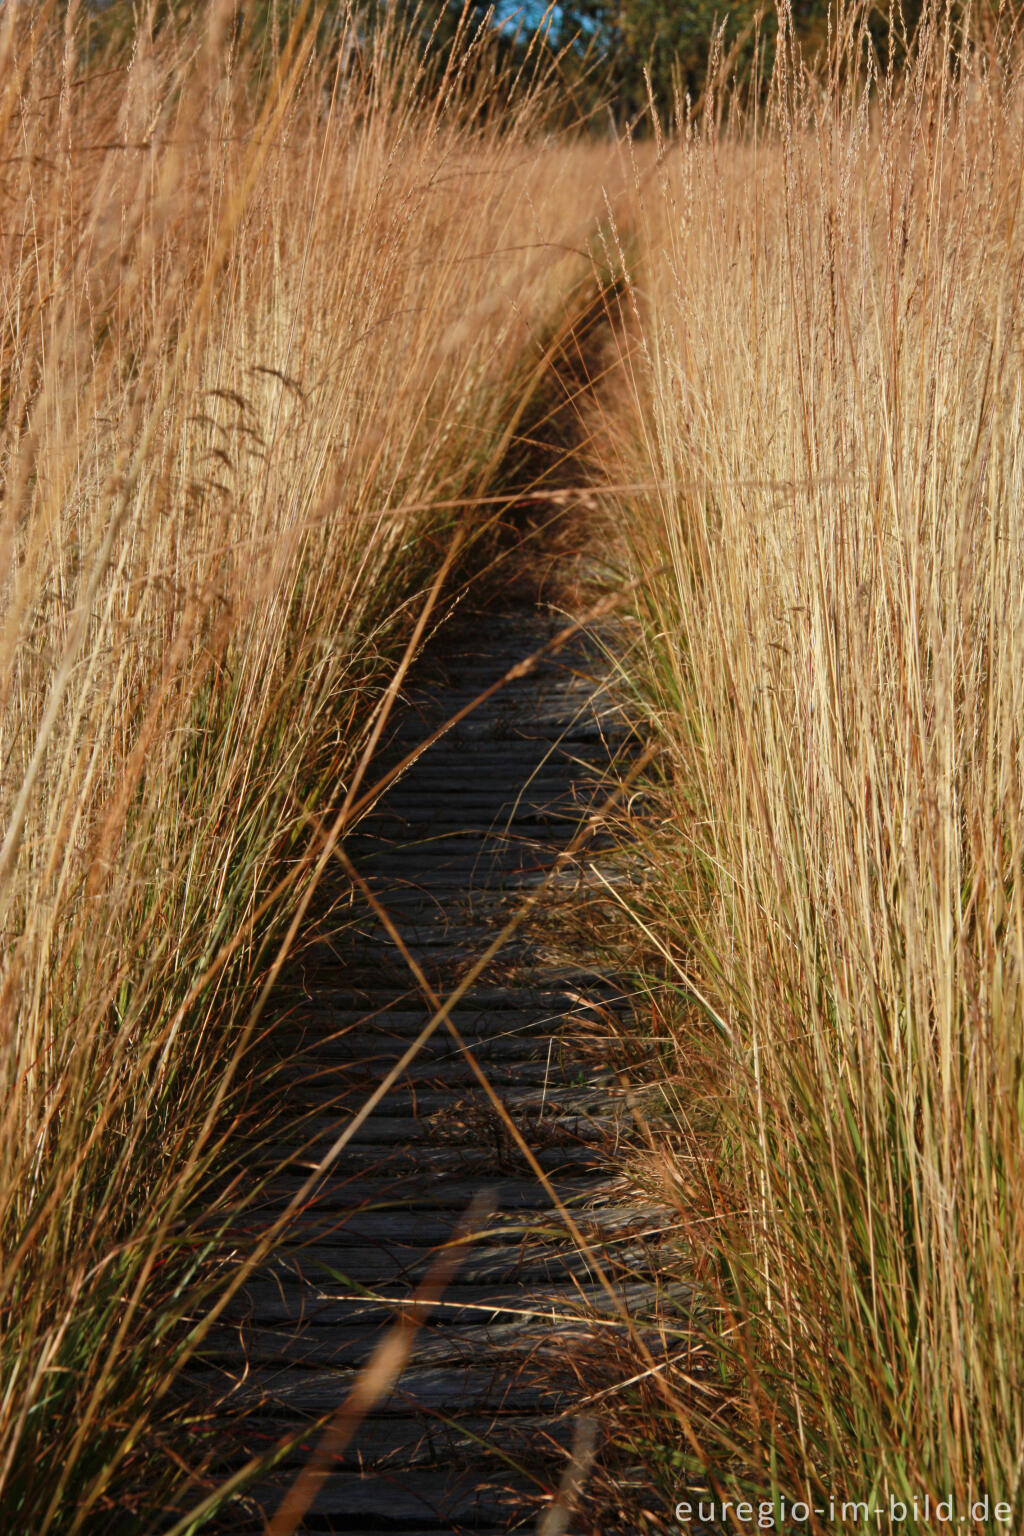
pixel 264 316
pixel 828 385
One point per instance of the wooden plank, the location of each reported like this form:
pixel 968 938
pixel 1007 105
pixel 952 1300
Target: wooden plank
pixel 276 1302
pixel 351 1346
pixel 548 988
pixel 446 1194
pixel 423 1160
pixel 568 1107
pixel 473 846
pixel 422 1228
pixel 343 1267
pixel 318 1389
pixel 520 1012
pixel 316 1082
pixel 506 1050
pixel 391 1127
pixel 443 1497
pixel 425 814
pixel 411 1440
pixel 429 1087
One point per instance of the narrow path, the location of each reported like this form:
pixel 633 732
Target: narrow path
pixel 472 1438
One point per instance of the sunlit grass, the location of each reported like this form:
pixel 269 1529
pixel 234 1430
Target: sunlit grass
pixel 828 387
pixel 262 323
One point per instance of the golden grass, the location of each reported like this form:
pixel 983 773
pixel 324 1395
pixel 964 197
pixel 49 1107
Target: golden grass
pixel 270 322
pixel 262 318
pixel 829 388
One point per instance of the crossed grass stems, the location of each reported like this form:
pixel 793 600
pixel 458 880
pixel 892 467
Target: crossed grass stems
pixel 382 1370
pixel 828 1171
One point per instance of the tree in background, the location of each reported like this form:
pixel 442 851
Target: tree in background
pixel 665 48
pixel 667 44
pixel 609 54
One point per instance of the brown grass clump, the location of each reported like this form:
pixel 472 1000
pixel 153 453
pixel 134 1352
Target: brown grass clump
pixel 829 388
pixel 266 319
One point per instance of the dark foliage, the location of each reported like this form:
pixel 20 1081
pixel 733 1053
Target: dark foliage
pixel 612 56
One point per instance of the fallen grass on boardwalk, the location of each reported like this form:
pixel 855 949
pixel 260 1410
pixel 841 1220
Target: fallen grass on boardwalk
pixel 829 385
pixel 253 306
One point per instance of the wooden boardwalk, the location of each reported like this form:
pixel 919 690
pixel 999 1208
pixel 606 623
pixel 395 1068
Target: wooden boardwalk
pixel 473 1437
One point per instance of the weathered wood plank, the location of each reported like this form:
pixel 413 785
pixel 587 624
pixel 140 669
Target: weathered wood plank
pixel 407 1441
pixel 401 1020
pixel 345 1266
pixel 315 1082
pixel 581 1101
pixel 431 1193
pixel 393 1127
pixel 275 1302
pixel 316 1390
pixel 441 1496
pixel 551 987
pixel 422 1228
pixel 351 1346
pixel 505 1052
pixel 423 1159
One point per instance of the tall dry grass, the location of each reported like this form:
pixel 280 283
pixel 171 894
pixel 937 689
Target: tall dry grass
pixel 264 317
pixel 829 386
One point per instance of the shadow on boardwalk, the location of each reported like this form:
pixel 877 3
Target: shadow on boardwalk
pixel 473 1436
